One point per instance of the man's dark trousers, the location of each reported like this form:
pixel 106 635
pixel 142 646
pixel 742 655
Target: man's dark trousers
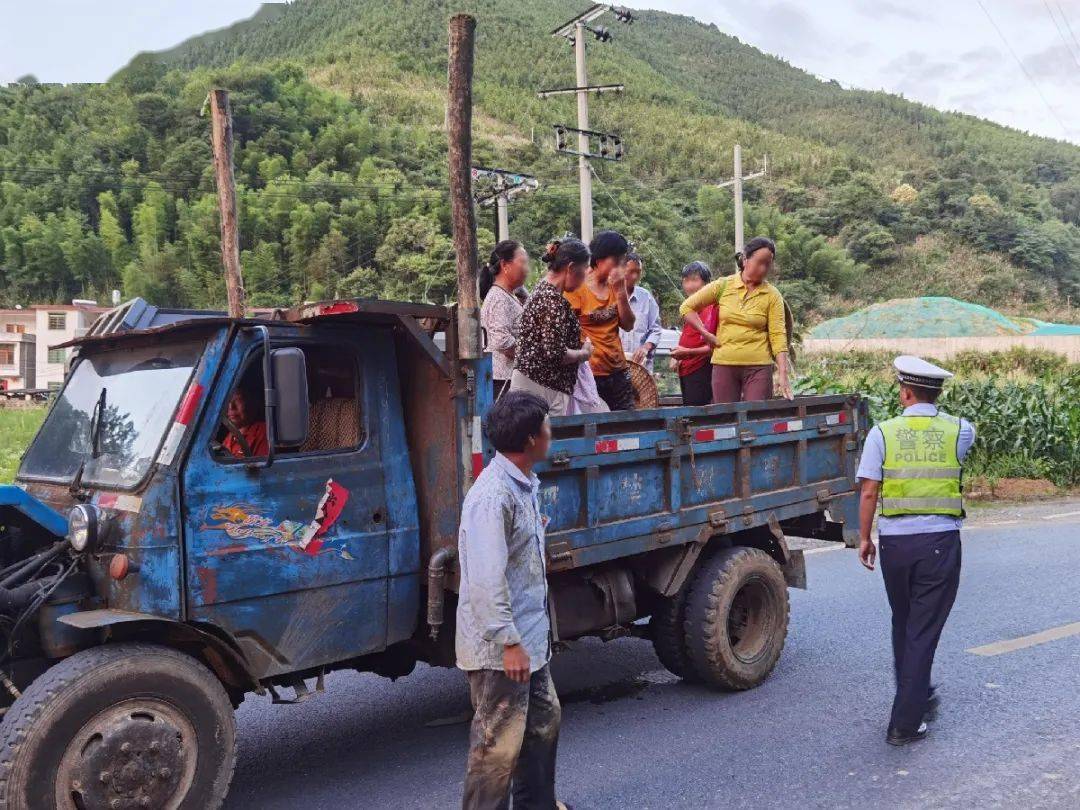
pixel 922 573
pixel 512 742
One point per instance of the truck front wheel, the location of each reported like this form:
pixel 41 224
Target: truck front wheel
pixel 126 726
pixel 736 618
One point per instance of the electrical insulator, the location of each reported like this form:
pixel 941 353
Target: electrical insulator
pixel 618 149
pixel 602 34
pixel 560 138
pixel 604 150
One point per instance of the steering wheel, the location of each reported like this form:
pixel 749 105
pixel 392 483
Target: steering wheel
pixel 234 431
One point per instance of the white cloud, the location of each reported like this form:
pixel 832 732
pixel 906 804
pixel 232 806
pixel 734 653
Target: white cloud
pixel 941 53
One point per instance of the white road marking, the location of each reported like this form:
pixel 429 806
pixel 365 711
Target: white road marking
pixel 993 523
pixel 1042 637
pixel 823 549
pixel 1061 515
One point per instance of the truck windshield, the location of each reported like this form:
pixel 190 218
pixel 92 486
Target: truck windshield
pixel 112 415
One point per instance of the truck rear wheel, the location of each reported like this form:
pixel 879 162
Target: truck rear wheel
pixel 736 618
pixel 668 638
pixel 126 726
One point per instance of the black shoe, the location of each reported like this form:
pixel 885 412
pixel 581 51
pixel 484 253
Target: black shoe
pixel 898 737
pixel 932 706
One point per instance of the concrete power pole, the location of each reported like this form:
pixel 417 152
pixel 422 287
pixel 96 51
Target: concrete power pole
pixel 497 187
pixel 610 146
pixel 222 138
pixel 502 217
pixel 462 213
pixel 737 187
pixel 740 229
pixel 584 174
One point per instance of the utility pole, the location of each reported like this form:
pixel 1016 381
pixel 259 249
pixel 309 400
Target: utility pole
pixel 222 138
pixel 497 187
pixel 502 217
pixel 574 31
pixel 740 230
pixel 737 183
pixel 584 175
pixel 462 213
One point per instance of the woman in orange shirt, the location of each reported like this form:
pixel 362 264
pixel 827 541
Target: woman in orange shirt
pixel 602 305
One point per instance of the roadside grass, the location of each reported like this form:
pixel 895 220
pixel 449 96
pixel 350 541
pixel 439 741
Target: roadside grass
pixel 17 428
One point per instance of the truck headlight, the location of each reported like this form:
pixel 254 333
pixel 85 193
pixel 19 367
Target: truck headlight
pixel 82 527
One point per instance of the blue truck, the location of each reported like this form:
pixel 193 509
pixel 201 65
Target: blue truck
pixel 150 579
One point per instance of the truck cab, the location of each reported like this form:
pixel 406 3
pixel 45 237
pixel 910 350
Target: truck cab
pixel 216 507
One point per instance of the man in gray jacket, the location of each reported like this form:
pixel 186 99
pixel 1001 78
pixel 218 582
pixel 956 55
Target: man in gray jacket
pixel 503 629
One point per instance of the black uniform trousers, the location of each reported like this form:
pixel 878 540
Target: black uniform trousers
pixel 922 574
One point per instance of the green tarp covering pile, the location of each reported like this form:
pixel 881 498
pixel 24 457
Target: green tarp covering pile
pixel 931 317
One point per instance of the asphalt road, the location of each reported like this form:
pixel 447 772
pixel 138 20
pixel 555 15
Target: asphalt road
pixel 811 736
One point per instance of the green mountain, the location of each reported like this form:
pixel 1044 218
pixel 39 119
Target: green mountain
pixel 339 108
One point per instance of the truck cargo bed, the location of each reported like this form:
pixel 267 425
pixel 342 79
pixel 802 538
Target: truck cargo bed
pixel 618 484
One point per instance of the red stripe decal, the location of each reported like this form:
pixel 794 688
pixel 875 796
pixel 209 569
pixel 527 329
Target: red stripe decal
pixel 843 417
pixel 607 446
pixel 190 403
pixel 704 435
pixel 779 427
pixel 477 464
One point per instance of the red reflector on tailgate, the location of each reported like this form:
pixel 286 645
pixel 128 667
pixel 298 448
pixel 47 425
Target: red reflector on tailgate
pixel 615 445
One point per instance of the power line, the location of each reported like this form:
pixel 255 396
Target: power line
pixel 603 187
pixel 1026 72
pixel 112 180
pixel 1068 25
pixel 1061 32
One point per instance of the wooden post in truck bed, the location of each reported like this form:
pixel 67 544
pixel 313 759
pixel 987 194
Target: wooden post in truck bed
pixel 463 216
pixel 222 137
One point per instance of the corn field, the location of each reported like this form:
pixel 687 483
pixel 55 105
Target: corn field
pixel 1026 428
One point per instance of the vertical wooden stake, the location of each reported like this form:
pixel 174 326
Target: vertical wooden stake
pixel 463 216
pixel 221 135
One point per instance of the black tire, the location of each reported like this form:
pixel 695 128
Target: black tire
pixel 736 618
pixel 668 638
pixel 135 724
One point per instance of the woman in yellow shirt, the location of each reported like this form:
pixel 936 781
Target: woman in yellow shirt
pixel 751 334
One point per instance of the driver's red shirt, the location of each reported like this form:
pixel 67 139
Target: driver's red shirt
pixel 255 434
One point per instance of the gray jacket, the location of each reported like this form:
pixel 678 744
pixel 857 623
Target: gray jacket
pixel 502 598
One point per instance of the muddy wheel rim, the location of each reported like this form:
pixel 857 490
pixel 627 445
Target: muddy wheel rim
pixel 749 622
pixel 137 754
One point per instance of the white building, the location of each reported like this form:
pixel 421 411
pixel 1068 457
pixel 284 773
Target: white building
pixel 26 361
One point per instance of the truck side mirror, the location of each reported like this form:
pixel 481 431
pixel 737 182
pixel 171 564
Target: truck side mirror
pixel 289 375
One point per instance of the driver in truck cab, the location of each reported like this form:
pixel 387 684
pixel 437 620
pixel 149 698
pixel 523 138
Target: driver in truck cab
pixel 241 412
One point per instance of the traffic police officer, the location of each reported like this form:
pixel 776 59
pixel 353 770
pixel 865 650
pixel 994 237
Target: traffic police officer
pixel 912 464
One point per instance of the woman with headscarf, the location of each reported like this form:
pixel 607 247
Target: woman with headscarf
pixel 500 313
pixel 752 332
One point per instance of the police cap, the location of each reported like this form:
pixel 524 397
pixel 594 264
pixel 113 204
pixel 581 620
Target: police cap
pixel 911 370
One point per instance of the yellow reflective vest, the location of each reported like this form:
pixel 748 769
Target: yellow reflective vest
pixel 921 474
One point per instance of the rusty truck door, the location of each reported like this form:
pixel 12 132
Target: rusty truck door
pixel 293 559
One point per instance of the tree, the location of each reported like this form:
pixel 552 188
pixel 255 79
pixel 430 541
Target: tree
pixel 872 244
pixel 112 235
pixel 904 195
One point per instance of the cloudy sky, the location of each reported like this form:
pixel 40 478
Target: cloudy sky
pixel 947 53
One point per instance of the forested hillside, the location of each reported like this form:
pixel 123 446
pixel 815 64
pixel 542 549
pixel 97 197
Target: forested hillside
pixel 341 162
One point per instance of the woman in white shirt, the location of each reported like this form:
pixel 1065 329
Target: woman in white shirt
pixel 505 272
